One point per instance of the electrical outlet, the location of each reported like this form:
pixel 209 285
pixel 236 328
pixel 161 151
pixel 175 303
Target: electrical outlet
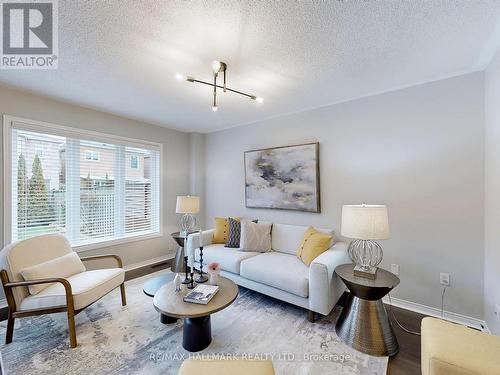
pixel 444 279
pixel 395 269
pixel 497 312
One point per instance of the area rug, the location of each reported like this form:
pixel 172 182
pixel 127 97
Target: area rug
pixel 131 340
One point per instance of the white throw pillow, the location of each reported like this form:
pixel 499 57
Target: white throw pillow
pixel 65 266
pixel 255 236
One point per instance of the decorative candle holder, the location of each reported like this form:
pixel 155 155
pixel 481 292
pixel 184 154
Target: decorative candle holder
pixel 191 283
pixel 201 278
pixel 186 279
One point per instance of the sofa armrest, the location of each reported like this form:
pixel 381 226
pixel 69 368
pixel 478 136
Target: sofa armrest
pixel 325 287
pixel 193 242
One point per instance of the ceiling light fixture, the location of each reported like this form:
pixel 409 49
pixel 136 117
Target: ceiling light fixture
pixel 218 67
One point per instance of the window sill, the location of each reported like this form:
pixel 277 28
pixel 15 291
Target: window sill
pixel 120 241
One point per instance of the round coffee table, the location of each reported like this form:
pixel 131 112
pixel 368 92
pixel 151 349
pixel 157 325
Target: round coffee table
pixel 197 330
pixel 363 323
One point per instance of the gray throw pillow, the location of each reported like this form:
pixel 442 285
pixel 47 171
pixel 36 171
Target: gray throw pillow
pixel 255 236
pixel 234 233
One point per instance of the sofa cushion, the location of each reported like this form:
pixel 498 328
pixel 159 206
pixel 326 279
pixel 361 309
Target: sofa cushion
pixel 287 238
pixel 255 236
pixel 234 233
pixel 282 271
pixel 313 244
pixel 64 266
pixel 221 226
pixel 229 259
pixel 87 287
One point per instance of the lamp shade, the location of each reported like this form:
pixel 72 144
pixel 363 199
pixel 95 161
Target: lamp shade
pixel 187 204
pixel 365 222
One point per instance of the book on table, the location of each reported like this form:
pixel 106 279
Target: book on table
pixel 202 294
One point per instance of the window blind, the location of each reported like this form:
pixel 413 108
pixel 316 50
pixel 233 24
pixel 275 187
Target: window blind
pixel 89 190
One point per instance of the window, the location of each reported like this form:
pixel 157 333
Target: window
pixel 134 162
pixel 88 202
pixel 39 151
pixel 92 155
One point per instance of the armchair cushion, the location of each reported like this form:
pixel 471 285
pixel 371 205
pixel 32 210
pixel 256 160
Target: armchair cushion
pixel 87 287
pixel 64 266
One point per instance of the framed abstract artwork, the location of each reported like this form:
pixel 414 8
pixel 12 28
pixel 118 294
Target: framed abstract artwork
pixel 284 178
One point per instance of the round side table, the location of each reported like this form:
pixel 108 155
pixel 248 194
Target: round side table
pixel 363 323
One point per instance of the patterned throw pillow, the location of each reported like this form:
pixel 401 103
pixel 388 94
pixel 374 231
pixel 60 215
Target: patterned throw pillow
pixel 233 238
pixel 255 236
pixel 234 232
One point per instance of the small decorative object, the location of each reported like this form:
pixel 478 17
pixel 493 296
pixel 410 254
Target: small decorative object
pixel 187 205
pixel 191 280
pixel 283 178
pixel 177 283
pixel 218 67
pixel 186 279
pixel 364 224
pixel 214 270
pixel 202 294
pixel 201 278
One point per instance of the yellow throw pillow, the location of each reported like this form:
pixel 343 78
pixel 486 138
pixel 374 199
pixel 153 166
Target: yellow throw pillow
pixel 221 225
pixel 313 244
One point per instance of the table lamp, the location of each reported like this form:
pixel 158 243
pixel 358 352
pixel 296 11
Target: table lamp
pixel 187 205
pixel 364 224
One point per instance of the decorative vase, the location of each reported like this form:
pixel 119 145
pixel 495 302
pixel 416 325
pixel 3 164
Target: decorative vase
pixel 214 279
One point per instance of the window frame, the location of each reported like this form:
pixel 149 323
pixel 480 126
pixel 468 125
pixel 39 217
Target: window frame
pixel 136 158
pixel 92 154
pixel 40 126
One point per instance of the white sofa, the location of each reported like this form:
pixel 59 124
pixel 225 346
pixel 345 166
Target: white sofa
pixel 279 273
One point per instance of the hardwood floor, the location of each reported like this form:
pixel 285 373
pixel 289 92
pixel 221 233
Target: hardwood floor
pixel 407 361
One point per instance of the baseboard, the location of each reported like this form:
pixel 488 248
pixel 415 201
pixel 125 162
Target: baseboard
pixel 432 311
pixel 149 262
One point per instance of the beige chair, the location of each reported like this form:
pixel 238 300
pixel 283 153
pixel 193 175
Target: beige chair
pixel 70 294
pixel 226 367
pixel 454 349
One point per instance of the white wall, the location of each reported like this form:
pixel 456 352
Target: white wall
pixel 418 150
pixel 175 163
pixel 197 171
pixel 492 201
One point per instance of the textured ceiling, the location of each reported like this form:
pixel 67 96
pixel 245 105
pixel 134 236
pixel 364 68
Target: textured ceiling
pixel 121 56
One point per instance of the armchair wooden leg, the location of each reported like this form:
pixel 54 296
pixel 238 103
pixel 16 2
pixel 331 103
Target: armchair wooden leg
pixel 10 329
pixel 124 298
pixel 311 316
pixel 72 329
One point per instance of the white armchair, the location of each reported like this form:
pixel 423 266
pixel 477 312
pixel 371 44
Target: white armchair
pixel 67 291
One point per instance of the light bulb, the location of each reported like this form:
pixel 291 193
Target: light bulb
pixel 216 65
pixel 259 99
pixel 214 108
pixel 180 77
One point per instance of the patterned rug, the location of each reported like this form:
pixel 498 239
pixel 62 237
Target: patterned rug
pixel 131 340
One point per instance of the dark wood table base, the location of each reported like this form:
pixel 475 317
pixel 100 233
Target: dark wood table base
pixel 165 319
pixel 196 333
